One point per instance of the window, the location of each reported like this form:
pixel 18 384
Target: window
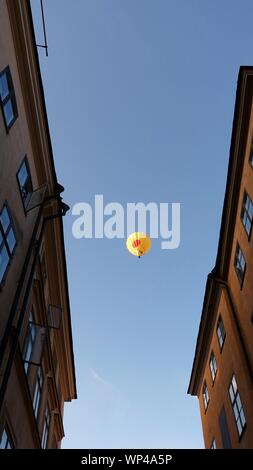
pixel 25 182
pixel 29 343
pixel 213 444
pixel 5 440
pixel 247 213
pixel 45 429
pixel 240 264
pixel 205 395
pixel 213 366
pixel 221 332
pixel 7 98
pixel 7 241
pixel 237 406
pixel 37 391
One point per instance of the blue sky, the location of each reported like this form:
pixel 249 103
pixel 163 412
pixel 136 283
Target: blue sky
pixel 140 98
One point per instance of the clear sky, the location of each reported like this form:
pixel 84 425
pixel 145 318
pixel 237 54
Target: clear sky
pixel 140 98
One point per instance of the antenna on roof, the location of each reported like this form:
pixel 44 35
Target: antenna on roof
pixel 44 46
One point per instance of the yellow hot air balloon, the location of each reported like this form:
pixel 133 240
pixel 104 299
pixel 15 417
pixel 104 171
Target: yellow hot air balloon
pixel 138 244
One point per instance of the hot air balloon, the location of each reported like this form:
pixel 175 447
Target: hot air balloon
pixel 138 244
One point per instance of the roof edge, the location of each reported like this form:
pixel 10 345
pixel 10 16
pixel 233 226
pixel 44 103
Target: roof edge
pixel 36 55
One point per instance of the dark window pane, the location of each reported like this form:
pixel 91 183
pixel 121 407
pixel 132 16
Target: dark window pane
pixel 250 209
pixel 205 395
pixel 45 429
pixel 239 263
pixel 247 226
pixel 11 240
pixel 4 219
pixel 3 441
pixel 231 393
pixel 37 392
pixel 236 413
pixel 220 336
pixel 221 332
pixel 34 342
pixel 239 427
pixel 4 261
pixel 28 351
pixel 35 398
pixel 243 420
pixel 4 88
pixel 22 174
pixel 29 343
pixel 237 406
pixel 7 98
pixel 24 181
pixel 239 403
pixel 242 261
pixel 213 366
pixel 33 331
pixel 8 112
pixel 234 384
pixel 7 241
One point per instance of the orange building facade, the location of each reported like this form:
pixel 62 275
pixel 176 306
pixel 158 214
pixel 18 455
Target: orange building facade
pixel 37 372
pixel 222 373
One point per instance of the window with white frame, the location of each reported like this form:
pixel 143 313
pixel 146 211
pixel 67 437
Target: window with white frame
pixel 7 98
pixel 237 406
pixel 7 241
pixel 213 366
pixel 247 213
pixel 240 264
pixel 221 332
pixel 205 395
pixel 25 182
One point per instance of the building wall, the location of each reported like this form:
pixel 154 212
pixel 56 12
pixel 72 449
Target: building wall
pixel 13 148
pixel 243 298
pixel 232 300
pixel 29 137
pixel 229 360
